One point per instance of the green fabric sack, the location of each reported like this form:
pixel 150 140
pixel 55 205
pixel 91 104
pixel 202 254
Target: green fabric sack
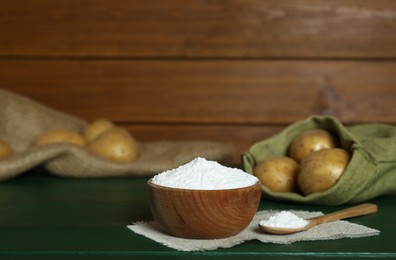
pixel 370 173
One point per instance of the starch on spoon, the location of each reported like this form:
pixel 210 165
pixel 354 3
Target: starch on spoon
pixel 284 219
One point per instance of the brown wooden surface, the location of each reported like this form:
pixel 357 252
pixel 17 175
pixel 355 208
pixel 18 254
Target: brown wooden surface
pixel 242 136
pixel 231 92
pixel 234 71
pixel 238 28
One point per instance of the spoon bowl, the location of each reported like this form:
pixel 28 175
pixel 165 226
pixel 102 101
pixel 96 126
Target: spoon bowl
pixel 359 210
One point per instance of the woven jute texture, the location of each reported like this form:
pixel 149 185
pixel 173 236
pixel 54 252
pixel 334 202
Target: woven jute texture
pixel 328 231
pixel 370 173
pixel 23 119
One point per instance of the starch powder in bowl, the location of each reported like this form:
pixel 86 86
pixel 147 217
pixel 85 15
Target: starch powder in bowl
pixel 203 200
pixel 201 174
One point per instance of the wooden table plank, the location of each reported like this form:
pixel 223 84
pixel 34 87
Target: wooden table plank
pixel 238 28
pixel 240 136
pixel 208 92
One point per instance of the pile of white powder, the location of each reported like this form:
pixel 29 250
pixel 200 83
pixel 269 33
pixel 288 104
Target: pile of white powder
pixel 284 219
pixel 200 174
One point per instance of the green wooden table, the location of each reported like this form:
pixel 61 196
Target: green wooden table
pixel 48 217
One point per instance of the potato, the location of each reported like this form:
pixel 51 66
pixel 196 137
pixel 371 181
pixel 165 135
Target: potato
pixel 116 144
pixel 279 174
pixel 309 142
pixel 97 127
pixel 322 169
pixel 5 149
pixel 60 136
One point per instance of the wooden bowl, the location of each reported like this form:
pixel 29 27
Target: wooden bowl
pixel 203 214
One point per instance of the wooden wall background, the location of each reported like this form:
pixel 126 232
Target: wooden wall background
pixel 224 70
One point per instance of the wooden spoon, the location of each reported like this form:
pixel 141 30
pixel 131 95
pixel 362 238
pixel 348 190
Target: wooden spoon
pixel 360 210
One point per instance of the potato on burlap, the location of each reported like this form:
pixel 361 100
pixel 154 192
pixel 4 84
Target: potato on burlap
pixel 5 149
pixel 311 141
pixel 116 144
pixel 97 127
pixel 322 169
pixel 60 136
pixel 278 174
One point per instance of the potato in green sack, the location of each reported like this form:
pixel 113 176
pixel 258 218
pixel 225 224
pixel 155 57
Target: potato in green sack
pixel 371 171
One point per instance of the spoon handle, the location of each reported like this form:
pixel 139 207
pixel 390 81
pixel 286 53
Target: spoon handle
pixel 359 210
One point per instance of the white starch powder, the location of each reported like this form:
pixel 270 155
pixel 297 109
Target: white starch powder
pixel 200 174
pixel 284 219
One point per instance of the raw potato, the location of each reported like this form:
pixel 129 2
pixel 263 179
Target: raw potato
pixel 97 127
pixel 5 150
pixel 322 169
pixel 309 142
pixel 278 174
pixel 115 144
pixel 60 136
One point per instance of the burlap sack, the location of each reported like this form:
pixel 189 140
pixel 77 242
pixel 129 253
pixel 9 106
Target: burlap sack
pixel 23 119
pixel 370 173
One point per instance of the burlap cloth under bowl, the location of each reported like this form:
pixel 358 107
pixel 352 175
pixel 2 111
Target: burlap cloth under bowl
pixel 23 119
pixel 328 231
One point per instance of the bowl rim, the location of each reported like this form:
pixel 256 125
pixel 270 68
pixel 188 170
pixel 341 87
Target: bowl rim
pixel 152 184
